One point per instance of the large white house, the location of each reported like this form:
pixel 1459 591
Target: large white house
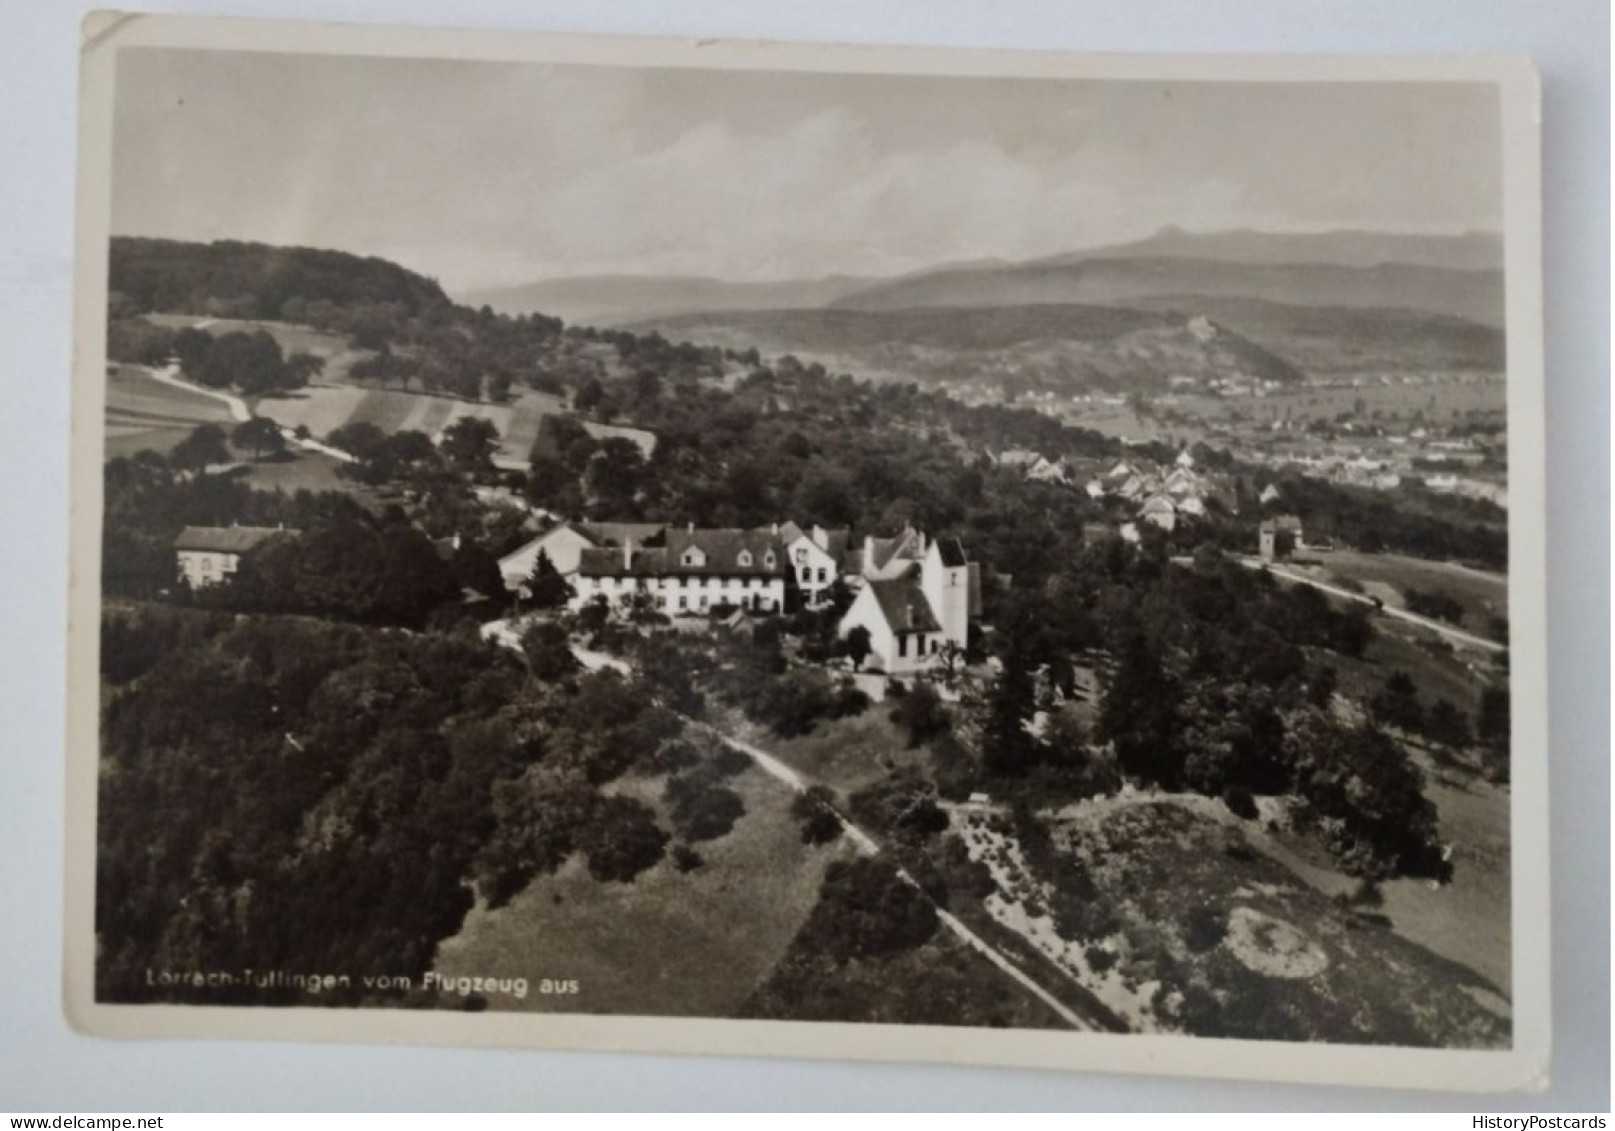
pixel 210 555
pixel 692 572
pixel 916 599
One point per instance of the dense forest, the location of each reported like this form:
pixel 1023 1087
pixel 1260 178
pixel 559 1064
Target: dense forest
pixel 230 279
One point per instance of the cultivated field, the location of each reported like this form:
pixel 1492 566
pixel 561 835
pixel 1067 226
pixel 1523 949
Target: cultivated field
pixel 145 414
pixel 325 406
pixel 670 943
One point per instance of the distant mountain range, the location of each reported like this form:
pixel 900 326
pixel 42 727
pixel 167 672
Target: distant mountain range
pixel 1458 275
pixel 613 300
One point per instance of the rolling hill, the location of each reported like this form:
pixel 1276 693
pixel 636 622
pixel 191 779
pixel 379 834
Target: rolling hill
pixel 1475 295
pixel 1343 247
pixel 1061 348
pixel 615 300
pixel 1334 340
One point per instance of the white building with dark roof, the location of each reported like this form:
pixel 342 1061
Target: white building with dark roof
pixel 918 599
pixel 691 573
pixel 210 555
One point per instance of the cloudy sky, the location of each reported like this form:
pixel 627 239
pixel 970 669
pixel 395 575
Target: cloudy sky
pixel 484 174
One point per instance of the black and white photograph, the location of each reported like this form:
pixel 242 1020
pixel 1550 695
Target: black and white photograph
pixel 907 554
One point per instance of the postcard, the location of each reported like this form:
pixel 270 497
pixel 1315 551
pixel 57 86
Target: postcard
pixel 799 550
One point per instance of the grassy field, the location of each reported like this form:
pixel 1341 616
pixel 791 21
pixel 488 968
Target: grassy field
pixel 670 943
pixel 844 754
pixel 1390 576
pixel 303 471
pixel 326 405
pixel 145 414
pixel 289 336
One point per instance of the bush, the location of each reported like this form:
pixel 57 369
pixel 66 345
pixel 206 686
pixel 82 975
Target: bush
pixel 701 810
pixel 622 840
pixel 1099 959
pixel 865 908
pixel 1239 801
pixel 814 809
pixel 1203 929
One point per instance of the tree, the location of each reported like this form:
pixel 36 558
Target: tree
pixel 1447 725
pixel 1360 786
pixel 470 442
pixel 204 447
pixel 1397 703
pixel 865 908
pixel 589 395
pixel 1139 715
pixel 921 713
pixel 260 435
pixel 814 809
pixel 614 472
pixel 545 587
pixel 360 439
pixel 857 645
pixel 622 839
pixel 1006 745
pixel 300 369
pixel 549 652
pixel 1492 722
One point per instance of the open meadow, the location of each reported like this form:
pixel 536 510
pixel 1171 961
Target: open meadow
pixel 671 943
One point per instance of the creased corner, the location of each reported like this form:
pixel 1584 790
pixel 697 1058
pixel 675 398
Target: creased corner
pixel 97 27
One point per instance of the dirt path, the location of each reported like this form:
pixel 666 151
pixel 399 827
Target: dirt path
pixel 241 413
pixel 870 847
pixel 503 632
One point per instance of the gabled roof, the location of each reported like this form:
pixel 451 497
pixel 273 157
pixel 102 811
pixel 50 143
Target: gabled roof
pixel 721 549
pixel 951 552
pixel 616 533
pixel 906 545
pixel 226 539
pixel 904 605
pixel 836 541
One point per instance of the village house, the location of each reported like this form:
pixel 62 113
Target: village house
pixel 210 555
pixel 817 557
pixel 1278 538
pixel 916 599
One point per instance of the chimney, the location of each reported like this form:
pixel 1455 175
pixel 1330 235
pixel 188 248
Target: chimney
pixel 627 554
